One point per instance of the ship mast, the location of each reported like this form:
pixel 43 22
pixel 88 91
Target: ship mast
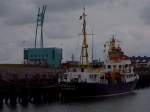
pixel 84 50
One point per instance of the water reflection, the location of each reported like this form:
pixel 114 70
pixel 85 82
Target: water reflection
pixel 133 102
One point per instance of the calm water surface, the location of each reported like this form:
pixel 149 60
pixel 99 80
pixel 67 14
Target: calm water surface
pixel 135 102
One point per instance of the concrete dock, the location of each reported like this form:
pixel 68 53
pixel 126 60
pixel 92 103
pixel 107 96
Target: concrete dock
pixel 22 83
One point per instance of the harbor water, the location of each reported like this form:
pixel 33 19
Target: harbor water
pixel 132 102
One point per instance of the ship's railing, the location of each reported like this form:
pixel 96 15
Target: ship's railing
pixel 103 81
pixel 129 77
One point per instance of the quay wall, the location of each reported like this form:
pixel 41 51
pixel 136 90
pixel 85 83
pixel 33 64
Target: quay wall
pixel 144 76
pixel 23 84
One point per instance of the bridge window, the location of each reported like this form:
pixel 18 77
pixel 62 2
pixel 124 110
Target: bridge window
pixel 114 66
pixel 82 69
pixel 126 65
pixel 120 66
pixel 109 66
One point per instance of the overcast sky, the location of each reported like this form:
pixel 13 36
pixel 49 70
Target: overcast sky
pixel 129 20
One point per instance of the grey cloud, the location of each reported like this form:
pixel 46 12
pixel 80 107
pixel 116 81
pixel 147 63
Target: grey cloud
pixel 145 14
pixel 20 12
pixel 67 5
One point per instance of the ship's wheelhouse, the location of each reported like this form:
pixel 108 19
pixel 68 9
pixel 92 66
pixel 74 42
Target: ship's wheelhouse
pixel 120 67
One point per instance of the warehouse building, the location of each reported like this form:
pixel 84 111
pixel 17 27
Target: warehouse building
pixel 43 56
